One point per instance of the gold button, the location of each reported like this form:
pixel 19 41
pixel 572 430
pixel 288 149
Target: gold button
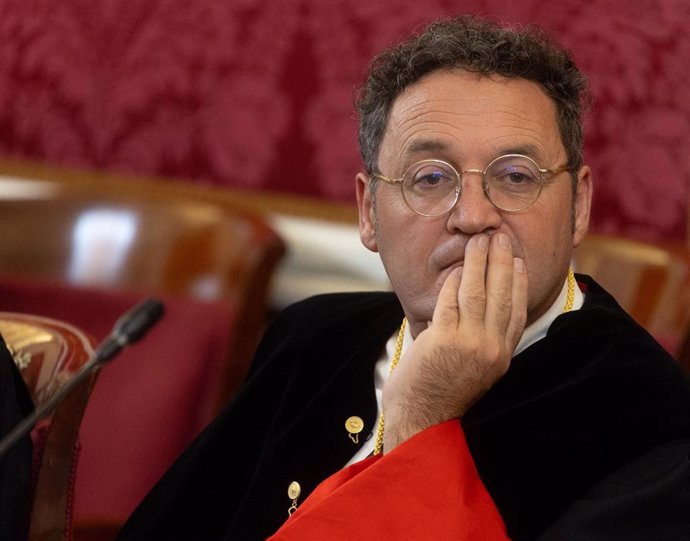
pixel 354 424
pixel 294 490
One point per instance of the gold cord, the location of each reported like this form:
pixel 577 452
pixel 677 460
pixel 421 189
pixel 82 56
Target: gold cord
pixel 570 299
pixel 378 447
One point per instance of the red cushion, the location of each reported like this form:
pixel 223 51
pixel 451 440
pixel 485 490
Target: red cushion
pixel 149 402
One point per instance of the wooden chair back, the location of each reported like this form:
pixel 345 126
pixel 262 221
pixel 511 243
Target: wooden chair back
pixel 168 237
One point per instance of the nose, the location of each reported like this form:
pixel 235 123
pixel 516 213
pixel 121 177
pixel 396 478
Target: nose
pixel 473 213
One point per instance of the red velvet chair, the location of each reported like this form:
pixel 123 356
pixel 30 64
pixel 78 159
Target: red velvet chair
pixel 86 249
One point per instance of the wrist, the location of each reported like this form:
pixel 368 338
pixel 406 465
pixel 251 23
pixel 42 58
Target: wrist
pixel 401 425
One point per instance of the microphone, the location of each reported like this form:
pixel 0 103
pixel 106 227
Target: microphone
pixel 129 328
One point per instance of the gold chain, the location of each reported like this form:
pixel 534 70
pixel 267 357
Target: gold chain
pixel 570 299
pixel 378 447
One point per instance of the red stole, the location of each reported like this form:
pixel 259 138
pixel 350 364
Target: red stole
pixel 426 488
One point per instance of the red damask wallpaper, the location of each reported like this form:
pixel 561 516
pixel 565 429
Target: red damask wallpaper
pixel 258 93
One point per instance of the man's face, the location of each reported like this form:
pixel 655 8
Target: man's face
pixel 468 120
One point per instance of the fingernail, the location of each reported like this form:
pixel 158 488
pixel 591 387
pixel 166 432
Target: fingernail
pixel 519 264
pixel 483 242
pixel 503 240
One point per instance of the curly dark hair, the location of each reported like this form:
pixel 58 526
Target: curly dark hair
pixel 477 45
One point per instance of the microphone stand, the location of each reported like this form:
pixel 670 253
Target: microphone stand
pixel 129 328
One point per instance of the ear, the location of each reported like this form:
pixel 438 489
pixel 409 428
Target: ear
pixel 367 218
pixel 582 204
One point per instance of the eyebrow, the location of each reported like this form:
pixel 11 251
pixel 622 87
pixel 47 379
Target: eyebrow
pixel 425 145
pixel 432 145
pixel 526 150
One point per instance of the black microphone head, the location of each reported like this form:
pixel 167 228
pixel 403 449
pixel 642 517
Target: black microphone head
pixel 135 323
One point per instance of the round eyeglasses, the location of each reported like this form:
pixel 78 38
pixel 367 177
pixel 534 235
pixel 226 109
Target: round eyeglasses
pixel 512 183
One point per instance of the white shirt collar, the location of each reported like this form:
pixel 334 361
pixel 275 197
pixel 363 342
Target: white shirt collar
pixel 538 329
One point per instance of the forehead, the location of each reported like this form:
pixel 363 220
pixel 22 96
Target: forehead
pixel 458 115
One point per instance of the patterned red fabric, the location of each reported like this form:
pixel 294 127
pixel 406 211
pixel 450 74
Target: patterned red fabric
pixel 258 94
pixel 427 488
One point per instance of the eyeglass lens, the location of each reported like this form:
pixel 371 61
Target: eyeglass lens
pixel 432 187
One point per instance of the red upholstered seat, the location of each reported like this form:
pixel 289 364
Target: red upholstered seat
pixel 152 399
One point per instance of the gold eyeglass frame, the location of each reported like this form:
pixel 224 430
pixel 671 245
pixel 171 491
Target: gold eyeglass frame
pixel 485 186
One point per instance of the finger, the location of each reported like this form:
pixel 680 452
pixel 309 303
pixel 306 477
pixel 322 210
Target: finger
pixel 472 293
pixel 446 309
pixel 518 317
pixel 499 284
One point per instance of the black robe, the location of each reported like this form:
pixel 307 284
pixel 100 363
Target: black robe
pixel 577 406
pixel 15 465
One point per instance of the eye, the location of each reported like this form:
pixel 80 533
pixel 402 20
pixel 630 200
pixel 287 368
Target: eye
pixel 513 176
pixel 517 177
pixel 429 177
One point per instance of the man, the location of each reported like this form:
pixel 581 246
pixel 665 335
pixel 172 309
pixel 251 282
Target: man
pixel 522 402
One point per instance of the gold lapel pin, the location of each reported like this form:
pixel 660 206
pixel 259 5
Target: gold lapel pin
pixel 294 490
pixel 354 426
